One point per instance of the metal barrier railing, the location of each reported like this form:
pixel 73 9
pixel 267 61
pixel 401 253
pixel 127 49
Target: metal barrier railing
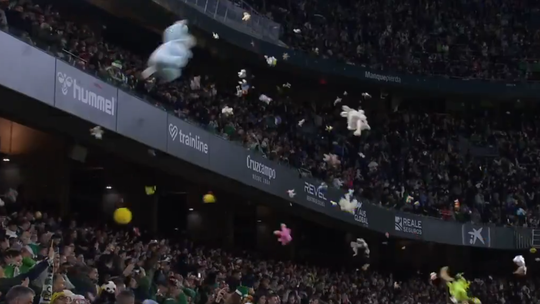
pixel 232 14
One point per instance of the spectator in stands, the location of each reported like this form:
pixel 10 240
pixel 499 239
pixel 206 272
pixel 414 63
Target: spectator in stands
pixel 115 73
pixel 125 297
pixel 3 19
pixel 361 33
pixel 20 295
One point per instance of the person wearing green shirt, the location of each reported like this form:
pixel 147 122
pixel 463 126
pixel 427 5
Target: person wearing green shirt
pixel 27 264
pixel 239 296
pixel 178 294
pixel 142 284
pixel 13 259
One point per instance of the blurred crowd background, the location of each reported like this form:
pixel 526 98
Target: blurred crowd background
pixel 488 40
pixel 458 161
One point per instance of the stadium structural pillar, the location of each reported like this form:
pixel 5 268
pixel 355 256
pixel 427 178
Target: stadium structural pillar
pixel 154 211
pixel 37 162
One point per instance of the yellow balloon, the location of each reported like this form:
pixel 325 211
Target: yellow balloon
pixel 122 216
pixel 209 198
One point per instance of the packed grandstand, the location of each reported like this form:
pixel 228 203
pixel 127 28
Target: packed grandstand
pixel 458 162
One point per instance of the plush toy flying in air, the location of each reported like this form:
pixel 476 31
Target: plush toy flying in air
pixel 458 288
pixel 348 203
pixel 167 61
pixel 97 132
pixel 519 260
pixel 291 193
pixel 284 235
pixel 356 120
pixel 360 244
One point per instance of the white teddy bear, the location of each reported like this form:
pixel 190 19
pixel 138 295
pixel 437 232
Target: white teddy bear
pixel 356 120
pixel 347 203
pixel 360 244
pixel 174 54
pixel 519 260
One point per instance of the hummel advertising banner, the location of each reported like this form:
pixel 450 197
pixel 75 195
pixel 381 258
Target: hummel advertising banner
pixel 85 96
pixel 60 85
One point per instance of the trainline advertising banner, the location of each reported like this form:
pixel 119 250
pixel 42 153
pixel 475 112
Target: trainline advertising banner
pixel 62 86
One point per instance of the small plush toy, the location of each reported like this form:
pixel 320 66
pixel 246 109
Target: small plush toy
pixel 271 61
pixel 347 203
pixel 242 74
pixel 284 235
pixel 227 111
pixel 97 132
pixel 332 160
pixel 519 260
pixel 265 99
pixel 243 88
pixel 291 193
pixel 110 287
pixel 168 60
pixel 356 120
pixel 195 83
pixel 360 244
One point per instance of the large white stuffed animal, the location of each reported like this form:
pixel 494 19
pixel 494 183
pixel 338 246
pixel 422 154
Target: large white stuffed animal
pixel 174 54
pixel 356 120
pixel 348 203
pixel 520 262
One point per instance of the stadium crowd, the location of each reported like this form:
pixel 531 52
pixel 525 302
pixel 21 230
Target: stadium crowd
pixel 406 155
pixel 490 40
pixel 428 164
pixel 64 261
